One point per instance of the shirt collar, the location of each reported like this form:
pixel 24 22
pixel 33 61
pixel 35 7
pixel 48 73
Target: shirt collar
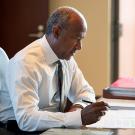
pixel 50 56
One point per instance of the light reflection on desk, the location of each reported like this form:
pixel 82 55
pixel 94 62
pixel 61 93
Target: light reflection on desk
pixel 126 132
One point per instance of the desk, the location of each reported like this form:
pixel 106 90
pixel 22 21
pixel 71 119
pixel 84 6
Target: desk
pixel 114 116
pixel 89 131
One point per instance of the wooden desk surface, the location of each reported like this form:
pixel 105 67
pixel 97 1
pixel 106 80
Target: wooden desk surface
pixel 125 132
pixel 90 131
pixel 60 131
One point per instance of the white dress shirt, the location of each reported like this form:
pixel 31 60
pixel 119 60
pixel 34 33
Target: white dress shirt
pixel 32 83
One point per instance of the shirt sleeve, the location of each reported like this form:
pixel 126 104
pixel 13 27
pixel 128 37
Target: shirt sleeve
pixel 23 82
pixel 80 88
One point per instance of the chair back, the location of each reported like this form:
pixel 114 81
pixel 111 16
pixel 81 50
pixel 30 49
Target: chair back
pixel 3 66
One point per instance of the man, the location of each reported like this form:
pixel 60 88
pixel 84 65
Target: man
pixel 33 78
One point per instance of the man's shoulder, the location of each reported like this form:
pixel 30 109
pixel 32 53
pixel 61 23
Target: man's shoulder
pixel 32 56
pixel 31 52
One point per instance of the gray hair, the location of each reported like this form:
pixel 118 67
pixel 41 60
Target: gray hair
pixel 60 16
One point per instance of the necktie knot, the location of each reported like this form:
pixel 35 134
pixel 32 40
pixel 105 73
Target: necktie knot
pixel 60 72
pixel 59 64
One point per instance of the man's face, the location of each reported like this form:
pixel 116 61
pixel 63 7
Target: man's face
pixel 70 40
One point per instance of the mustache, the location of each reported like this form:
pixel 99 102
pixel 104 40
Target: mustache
pixel 74 51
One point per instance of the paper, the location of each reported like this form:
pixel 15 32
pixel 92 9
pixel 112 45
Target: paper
pixel 117 118
pixel 65 131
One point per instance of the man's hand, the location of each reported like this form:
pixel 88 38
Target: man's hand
pixel 92 113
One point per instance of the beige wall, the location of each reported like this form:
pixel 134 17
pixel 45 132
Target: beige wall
pixel 94 58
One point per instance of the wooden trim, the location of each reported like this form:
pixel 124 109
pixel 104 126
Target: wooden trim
pixel 114 39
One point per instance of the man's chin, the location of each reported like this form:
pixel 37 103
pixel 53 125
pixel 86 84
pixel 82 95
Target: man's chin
pixel 68 58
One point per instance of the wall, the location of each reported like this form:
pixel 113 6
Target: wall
pixel 127 39
pixel 94 58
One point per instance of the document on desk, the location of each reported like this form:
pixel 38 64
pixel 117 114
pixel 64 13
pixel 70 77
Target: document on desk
pixel 66 131
pixel 122 116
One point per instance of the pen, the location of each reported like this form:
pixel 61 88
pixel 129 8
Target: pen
pixel 87 101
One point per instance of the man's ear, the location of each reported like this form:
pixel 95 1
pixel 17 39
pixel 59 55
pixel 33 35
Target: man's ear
pixel 56 31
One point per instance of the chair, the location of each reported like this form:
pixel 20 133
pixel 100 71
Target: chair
pixel 3 65
pixel 5 102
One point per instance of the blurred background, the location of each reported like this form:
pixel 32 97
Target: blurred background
pixel 108 48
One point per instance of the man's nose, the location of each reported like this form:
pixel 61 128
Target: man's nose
pixel 79 46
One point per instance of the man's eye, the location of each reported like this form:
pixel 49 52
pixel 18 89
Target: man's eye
pixel 78 40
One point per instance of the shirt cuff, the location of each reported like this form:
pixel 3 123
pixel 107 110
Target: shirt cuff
pixel 73 119
pixel 82 104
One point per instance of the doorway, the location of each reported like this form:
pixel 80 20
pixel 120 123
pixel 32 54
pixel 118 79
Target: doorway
pixel 123 41
pixel 21 23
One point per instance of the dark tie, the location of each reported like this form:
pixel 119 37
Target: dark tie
pixel 60 81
